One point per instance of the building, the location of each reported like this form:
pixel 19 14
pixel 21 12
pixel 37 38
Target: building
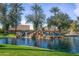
pixel 21 29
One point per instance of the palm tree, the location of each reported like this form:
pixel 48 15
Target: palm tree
pixel 63 21
pixel 4 17
pixel 15 14
pixel 55 10
pixel 53 19
pixel 59 19
pixel 37 18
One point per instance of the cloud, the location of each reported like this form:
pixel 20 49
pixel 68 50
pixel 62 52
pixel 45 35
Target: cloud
pixel 76 11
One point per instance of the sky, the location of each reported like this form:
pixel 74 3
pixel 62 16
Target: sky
pixel 71 9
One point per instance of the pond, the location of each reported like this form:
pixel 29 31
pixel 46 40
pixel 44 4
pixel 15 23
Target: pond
pixel 73 43
pixel 68 44
pixel 42 43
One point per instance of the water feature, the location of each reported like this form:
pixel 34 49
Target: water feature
pixel 42 43
pixel 73 43
pixel 69 43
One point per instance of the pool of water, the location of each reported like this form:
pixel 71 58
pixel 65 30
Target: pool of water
pixel 73 43
pixel 31 42
pixel 69 43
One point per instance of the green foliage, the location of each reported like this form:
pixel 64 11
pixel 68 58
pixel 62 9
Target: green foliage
pixel 37 18
pixel 55 10
pixel 73 27
pixel 2 45
pixel 1 31
pixel 4 20
pixel 15 14
pixel 10 15
pixel 10 35
pixel 59 19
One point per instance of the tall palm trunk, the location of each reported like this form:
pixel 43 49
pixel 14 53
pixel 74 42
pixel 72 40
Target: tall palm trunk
pixel 16 29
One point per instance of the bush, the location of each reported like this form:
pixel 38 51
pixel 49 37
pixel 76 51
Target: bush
pixel 1 31
pixel 2 45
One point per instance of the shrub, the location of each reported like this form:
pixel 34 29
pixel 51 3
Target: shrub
pixel 2 45
pixel 1 31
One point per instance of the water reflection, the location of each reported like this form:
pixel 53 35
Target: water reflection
pixel 43 43
pixel 69 44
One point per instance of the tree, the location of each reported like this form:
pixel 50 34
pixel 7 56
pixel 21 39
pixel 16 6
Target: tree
pixel 63 21
pixel 55 10
pixel 59 19
pixel 4 17
pixel 53 20
pixel 37 18
pixel 73 26
pixel 15 14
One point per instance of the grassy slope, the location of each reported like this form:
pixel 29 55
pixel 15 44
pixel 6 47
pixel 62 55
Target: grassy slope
pixel 12 50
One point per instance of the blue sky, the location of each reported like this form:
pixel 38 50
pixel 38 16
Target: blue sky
pixel 69 8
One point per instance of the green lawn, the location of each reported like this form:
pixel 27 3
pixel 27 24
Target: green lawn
pixel 13 50
pixel 9 35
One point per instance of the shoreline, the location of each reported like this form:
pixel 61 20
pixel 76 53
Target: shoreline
pixel 72 34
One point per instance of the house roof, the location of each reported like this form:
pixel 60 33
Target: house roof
pixel 21 28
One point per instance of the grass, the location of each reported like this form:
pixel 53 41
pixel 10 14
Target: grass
pixel 13 50
pixel 8 35
pixel 11 35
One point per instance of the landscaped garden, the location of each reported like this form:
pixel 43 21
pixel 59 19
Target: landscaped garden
pixel 48 33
